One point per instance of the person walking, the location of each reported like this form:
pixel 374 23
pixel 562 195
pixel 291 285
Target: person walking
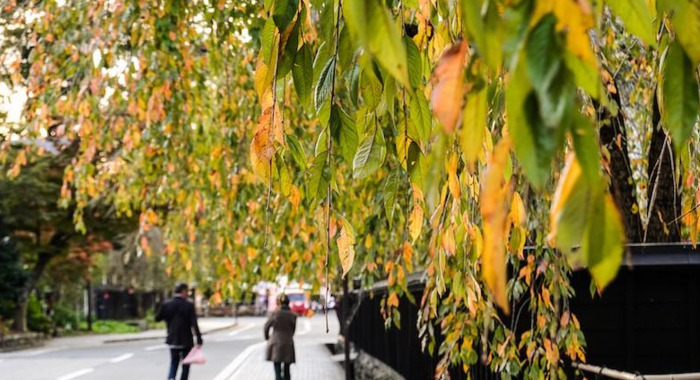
pixel 181 319
pixel 280 346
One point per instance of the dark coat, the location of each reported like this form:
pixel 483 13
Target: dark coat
pixel 280 347
pixel 178 313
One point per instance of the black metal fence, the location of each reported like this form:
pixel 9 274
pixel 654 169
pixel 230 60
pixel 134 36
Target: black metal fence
pixel 646 321
pixel 125 304
pixel 400 348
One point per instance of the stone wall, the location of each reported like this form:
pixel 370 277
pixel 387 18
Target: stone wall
pixel 368 367
pixel 18 341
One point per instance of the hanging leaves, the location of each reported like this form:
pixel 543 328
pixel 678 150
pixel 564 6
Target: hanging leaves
pixel 346 246
pixel 371 25
pixel 448 93
pixel 680 95
pixel 262 149
pixel 586 225
pixel 370 154
pixel 637 18
pixel 474 126
pixel 494 212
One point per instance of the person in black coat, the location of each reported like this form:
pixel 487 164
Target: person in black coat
pixel 280 346
pixel 179 314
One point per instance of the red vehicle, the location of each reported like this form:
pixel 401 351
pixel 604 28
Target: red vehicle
pixel 299 303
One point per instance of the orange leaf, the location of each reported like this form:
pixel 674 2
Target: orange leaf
pixel 346 248
pixel 448 92
pixel 494 212
pixel 393 300
pixel 262 149
pixel 407 254
pixel 452 179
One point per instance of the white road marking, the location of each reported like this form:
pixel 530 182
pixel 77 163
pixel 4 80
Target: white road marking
pixel 238 331
pixel 36 352
pixel 121 358
pixel 231 369
pixel 307 327
pixel 156 347
pixel 76 374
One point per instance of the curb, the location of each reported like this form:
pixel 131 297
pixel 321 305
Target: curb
pixel 126 340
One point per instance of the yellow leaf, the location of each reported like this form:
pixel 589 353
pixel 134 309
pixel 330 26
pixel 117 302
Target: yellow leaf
pixel 569 177
pixel 368 241
pixel 448 92
pixel 393 300
pixel 452 179
pixel 448 241
pixel 574 17
pixel 295 197
pixel 517 210
pixel 494 212
pixel 346 246
pixel 415 220
pixel 474 125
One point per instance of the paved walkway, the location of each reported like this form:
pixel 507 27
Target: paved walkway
pixel 313 362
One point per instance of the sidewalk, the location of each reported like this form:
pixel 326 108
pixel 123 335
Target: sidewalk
pixel 313 362
pixel 206 326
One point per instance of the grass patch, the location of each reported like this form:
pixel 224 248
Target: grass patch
pixel 110 327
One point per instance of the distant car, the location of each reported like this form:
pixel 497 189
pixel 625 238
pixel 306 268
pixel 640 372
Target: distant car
pixel 299 303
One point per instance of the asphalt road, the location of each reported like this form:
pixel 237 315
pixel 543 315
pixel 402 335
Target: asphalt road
pixel 143 360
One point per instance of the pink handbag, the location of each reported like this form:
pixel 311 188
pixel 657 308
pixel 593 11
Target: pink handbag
pixel 196 356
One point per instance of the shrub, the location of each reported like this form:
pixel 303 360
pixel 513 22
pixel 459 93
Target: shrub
pixel 36 319
pixel 65 318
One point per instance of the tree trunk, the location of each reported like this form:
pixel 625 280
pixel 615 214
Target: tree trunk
pixel 662 193
pixel 613 136
pixel 20 321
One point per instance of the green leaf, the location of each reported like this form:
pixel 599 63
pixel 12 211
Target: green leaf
pixel 289 51
pixel 284 12
pixel 297 151
pixel 473 24
pixel 345 49
pixel 586 76
pixel 680 95
pixel 533 146
pixel 302 74
pixel 605 239
pixel 323 54
pixel 370 155
pixel 548 74
pixel 267 39
pixel 344 132
pixel 415 63
pixel 686 25
pixel 371 24
pixel 587 149
pixel 637 18
pixel 324 84
pixel 474 125
pixel 284 177
pixel 422 120
pixel 390 95
pixel 319 177
pixel 370 88
pixel 390 189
